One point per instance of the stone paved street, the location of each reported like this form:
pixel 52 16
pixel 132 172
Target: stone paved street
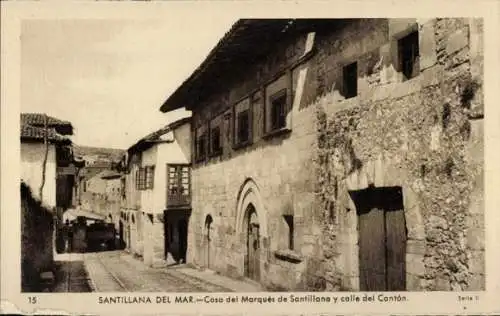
pixel 117 271
pixel 70 275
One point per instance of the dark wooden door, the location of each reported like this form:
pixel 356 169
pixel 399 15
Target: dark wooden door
pixel 395 250
pixel 382 240
pixel 182 230
pixel 253 252
pixel 372 250
pixel 122 241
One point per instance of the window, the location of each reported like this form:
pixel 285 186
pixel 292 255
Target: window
pixel 350 80
pixel 145 178
pixel 215 141
pixel 85 186
pixel 149 175
pixel 123 188
pixel 139 179
pixel 408 55
pixel 243 132
pixel 179 186
pixel 289 221
pixel 201 147
pixel 278 110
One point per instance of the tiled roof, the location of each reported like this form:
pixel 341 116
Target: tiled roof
pixel 29 132
pixel 167 128
pixel 109 174
pixel 150 138
pixel 38 120
pixel 236 48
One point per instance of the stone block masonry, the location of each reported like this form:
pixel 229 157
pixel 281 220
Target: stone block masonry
pixel 416 136
pixel 37 239
pixel 426 137
pixel 154 242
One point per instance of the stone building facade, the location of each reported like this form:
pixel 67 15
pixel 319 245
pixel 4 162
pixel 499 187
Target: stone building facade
pixel 130 224
pixel 157 202
pixel 340 154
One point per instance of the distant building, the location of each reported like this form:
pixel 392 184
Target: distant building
pixel 95 160
pixel 341 154
pixel 157 204
pixel 102 196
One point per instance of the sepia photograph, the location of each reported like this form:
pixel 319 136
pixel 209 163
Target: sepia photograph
pixel 257 155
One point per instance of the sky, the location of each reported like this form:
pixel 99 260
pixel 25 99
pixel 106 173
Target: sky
pixel 110 77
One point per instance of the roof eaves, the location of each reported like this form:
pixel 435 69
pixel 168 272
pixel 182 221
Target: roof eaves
pixel 152 138
pixel 166 106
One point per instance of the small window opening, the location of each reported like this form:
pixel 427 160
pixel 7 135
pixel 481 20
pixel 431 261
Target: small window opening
pixel 350 78
pixel 409 55
pixel 201 147
pixel 278 112
pixel 243 126
pixel 215 141
pixel 289 221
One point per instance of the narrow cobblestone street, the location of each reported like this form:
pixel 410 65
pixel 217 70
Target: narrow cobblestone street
pixel 118 271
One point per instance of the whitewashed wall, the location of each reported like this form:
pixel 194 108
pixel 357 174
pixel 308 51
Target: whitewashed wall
pixel 32 156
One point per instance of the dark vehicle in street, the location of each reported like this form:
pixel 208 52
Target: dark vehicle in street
pixel 101 236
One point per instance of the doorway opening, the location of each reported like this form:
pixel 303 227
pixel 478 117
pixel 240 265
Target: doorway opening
pixel 208 238
pixel 167 232
pixel 382 238
pixel 252 256
pixel 182 228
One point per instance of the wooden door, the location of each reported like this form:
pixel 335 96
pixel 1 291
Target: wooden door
pixel 122 241
pixel 382 240
pixel 253 252
pixel 182 230
pixel 372 269
pixel 396 250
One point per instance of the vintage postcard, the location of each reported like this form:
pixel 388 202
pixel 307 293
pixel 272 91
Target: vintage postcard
pixel 262 158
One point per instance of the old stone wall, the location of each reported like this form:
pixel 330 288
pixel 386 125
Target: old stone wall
pixel 279 170
pixel 102 204
pixel 154 243
pixel 130 205
pixel 422 135
pixel 419 134
pixel 37 236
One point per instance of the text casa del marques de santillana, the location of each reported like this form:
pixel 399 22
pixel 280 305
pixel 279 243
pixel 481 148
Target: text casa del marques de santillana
pixel 220 299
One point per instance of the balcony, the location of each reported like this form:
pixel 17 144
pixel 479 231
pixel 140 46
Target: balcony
pixel 178 186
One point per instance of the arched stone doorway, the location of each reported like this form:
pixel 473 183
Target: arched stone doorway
pixel 208 247
pixel 252 255
pixel 251 230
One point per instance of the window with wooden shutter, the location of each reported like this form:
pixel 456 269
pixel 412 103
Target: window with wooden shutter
pixel 243 123
pixel 278 103
pixel 278 110
pixel 201 144
pixel 215 148
pixel 178 185
pixel 243 126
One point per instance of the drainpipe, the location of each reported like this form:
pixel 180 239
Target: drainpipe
pixel 44 165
